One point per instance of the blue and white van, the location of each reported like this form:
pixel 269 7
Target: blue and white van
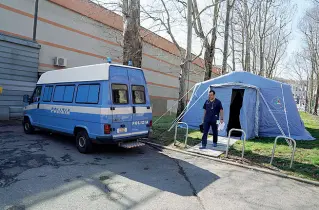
pixel 103 103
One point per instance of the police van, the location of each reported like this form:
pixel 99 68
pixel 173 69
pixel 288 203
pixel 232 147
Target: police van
pixel 103 103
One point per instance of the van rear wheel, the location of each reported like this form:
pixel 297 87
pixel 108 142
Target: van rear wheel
pixel 83 142
pixel 27 127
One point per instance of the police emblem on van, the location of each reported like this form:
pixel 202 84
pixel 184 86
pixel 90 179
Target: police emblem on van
pixel 143 122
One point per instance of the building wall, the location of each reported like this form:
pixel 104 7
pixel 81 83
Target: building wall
pixel 18 73
pixel 70 33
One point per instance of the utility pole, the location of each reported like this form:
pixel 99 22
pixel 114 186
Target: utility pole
pixel 189 43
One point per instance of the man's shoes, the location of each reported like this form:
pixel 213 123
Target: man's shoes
pixel 214 144
pixel 202 147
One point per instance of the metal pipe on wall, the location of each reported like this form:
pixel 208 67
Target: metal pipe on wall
pixel 35 20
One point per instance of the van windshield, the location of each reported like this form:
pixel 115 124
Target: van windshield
pixel 120 94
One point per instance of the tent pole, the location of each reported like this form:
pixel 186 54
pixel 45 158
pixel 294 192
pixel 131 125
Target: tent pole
pixel 172 107
pixel 283 98
pixel 257 113
pixel 183 114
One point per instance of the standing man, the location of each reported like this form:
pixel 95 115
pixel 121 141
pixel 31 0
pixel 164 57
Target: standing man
pixel 212 109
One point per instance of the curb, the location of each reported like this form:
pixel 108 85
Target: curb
pixel 158 146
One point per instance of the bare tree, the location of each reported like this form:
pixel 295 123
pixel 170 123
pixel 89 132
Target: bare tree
pixel 299 68
pixel 132 42
pixel 209 45
pixel 310 29
pixel 260 32
pixel 232 47
pixel 230 4
pixel 165 16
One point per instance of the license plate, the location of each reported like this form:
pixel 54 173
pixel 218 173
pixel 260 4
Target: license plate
pixel 121 130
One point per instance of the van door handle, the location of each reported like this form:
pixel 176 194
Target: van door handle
pixel 148 107
pixel 134 109
pixel 38 105
pixel 123 126
pixel 112 108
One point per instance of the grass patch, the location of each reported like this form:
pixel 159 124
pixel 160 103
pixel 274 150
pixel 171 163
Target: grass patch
pixel 160 135
pixel 257 151
pixel 306 163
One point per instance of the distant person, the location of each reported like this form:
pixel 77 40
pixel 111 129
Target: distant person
pixel 212 109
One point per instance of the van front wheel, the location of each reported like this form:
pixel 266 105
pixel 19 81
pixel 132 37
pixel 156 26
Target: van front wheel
pixel 83 142
pixel 27 127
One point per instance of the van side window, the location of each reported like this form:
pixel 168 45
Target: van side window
pixel 47 93
pixel 36 94
pixel 138 94
pixel 88 94
pixel 63 93
pixel 120 94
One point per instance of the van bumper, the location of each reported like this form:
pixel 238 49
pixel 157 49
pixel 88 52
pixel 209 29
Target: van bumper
pixel 112 140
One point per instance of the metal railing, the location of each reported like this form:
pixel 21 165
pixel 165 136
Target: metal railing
pixel 290 141
pixel 186 136
pixel 243 148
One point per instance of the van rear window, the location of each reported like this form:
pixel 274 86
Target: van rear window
pixel 88 94
pixel 120 94
pixel 138 94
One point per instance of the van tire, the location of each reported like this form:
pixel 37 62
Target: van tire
pixel 83 142
pixel 27 126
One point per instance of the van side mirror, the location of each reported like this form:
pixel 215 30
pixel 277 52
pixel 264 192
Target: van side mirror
pixel 26 99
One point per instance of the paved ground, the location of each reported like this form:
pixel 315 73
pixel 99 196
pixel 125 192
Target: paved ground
pixel 46 172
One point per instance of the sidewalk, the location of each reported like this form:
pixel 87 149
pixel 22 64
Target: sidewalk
pixel 213 151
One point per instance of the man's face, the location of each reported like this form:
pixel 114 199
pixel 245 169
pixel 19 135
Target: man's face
pixel 211 96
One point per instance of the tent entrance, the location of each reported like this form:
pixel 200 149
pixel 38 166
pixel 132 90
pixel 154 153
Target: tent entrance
pixel 234 111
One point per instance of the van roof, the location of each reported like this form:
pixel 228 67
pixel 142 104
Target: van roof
pixel 96 72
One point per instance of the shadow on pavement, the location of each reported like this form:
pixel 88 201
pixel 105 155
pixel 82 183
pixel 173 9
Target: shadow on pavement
pixel 51 166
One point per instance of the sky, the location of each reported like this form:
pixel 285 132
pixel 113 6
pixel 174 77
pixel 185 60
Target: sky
pixel 296 41
pixel 179 30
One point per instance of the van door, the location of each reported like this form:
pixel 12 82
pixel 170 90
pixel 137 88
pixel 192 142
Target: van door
pixel 120 106
pixel 33 108
pixel 142 112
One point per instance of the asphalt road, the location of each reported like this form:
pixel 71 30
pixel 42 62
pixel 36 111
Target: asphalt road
pixel 47 172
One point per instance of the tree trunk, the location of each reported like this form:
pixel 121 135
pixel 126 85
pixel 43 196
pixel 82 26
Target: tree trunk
pixel 210 50
pixel 247 34
pixel 315 112
pixel 243 48
pixel 254 67
pixel 182 89
pixel 227 22
pixel 186 62
pixel 132 43
pixel 307 92
pixel 208 58
pixel 311 92
pixel 262 68
pixel 233 42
